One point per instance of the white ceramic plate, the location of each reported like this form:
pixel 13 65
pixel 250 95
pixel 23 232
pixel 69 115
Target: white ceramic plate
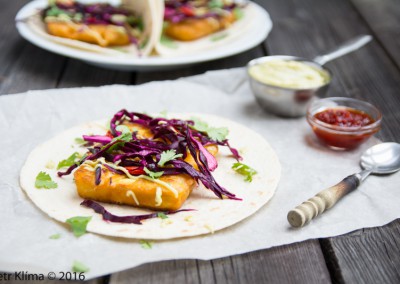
pixel 258 30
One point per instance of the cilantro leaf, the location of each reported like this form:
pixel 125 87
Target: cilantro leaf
pixel 162 215
pixel 79 141
pixel 123 128
pixel 79 224
pixel 167 156
pixel 238 13
pixel 78 266
pixel 43 180
pixel 216 4
pixel 168 42
pixel 244 170
pixel 55 236
pixel 125 136
pixel 146 244
pixel 153 175
pixel 69 161
pixel 216 133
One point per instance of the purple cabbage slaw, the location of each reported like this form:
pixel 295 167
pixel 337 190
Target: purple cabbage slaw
pixel 168 134
pixel 179 10
pixel 133 219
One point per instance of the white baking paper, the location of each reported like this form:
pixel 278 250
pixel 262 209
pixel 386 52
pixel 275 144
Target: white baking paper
pixel 29 119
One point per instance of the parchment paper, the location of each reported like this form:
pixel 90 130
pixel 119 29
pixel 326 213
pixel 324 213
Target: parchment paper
pixel 27 120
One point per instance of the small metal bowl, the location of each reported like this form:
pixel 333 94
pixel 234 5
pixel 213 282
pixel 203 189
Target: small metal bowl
pixel 343 137
pixel 288 102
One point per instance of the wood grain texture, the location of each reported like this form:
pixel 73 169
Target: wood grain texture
pixel 307 28
pixel 287 264
pixel 383 19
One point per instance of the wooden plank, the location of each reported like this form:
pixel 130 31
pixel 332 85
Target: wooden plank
pixel 287 264
pixel 80 74
pixel 383 18
pixel 367 256
pixel 307 28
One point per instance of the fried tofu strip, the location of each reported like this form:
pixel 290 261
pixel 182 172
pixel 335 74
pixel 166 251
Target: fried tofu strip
pixel 120 189
pixel 192 29
pixel 102 35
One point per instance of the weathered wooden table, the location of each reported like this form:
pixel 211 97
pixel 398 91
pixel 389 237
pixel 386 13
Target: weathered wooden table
pixel 304 28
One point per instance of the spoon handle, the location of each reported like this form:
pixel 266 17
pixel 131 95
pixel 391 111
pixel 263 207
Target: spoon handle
pixel 345 48
pixel 324 200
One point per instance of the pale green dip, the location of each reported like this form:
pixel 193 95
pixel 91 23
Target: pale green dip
pixel 289 74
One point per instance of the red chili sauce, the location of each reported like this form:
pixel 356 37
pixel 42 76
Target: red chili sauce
pixel 347 118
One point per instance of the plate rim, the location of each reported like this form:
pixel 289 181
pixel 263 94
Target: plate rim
pixel 123 62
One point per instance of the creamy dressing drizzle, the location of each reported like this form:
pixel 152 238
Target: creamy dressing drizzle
pixel 131 193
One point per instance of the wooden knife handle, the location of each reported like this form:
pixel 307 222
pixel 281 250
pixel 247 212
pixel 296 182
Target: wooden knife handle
pixel 324 200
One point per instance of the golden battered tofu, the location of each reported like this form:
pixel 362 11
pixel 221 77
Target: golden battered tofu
pixel 120 189
pixel 192 29
pixel 103 35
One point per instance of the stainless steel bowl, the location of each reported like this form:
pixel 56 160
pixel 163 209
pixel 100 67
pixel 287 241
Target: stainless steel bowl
pixel 282 101
pixel 294 102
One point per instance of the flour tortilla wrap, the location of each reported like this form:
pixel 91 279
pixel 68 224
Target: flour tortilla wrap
pixel 170 47
pixel 212 214
pixel 146 8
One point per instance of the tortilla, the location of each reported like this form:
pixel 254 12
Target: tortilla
pixel 146 8
pixel 170 47
pixel 212 214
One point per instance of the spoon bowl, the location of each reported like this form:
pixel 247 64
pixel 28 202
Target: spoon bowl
pixel 383 158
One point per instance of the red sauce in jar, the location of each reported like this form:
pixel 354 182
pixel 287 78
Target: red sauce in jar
pixel 346 132
pixel 345 117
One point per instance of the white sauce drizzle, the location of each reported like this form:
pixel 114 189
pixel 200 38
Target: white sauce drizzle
pixel 131 193
pixel 158 199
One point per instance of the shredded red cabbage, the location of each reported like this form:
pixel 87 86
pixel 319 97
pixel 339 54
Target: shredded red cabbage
pixel 133 219
pixel 168 134
pixel 179 10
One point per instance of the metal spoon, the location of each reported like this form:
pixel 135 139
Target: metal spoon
pixel 383 158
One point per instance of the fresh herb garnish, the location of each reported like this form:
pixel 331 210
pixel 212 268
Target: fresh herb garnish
pixel 55 236
pixel 167 156
pixel 146 244
pixel 218 36
pixel 123 128
pixel 125 136
pixel 79 224
pixel 153 175
pixel 168 42
pixel 79 141
pixel 238 13
pixel 78 266
pixel 244 170
pixel 216 133
pixel 43 180
pixel 73 159
pixel 162 215
pixel 216 4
